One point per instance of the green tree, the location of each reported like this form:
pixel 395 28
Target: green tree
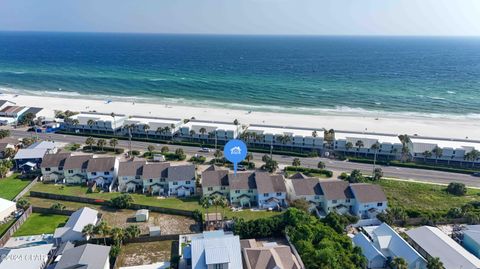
pixel 458 189
pixel 438 152
pixel 101 143
pixel 121 202
pixel 88 230
pixel 58 206
pixel 405 140
pixel 150 149
pixel 426 154
pixel 23 203
pixel 90 142
pixel 217 154
pixel 296 162
pixel 132 231
pixel 146 127
pixel 103 229
pixel 90 124
pixel 359 144
pixel 164 149
pixel 117 234
pixel 472 156
pixel 399 263
pixel 271 165
pixel 356 176
pixel 235 122
pixel 113 143
pixel 377 173
pixel 434 263
pixel 4 133
pixel 321 165
pixel 249 157
pixel 300 204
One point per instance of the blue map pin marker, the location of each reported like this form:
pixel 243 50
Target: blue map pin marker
pixel 235 151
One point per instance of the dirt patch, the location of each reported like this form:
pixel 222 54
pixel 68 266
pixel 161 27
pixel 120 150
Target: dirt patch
pixel 146 253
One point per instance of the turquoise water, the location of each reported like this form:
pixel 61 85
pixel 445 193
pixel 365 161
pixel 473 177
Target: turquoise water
pixel 399 75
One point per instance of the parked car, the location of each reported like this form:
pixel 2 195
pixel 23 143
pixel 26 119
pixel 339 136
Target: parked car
pixel 476 174
pixel 241 168
pixel 204 150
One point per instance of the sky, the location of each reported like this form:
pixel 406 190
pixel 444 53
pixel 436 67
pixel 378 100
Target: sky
pixel 250 17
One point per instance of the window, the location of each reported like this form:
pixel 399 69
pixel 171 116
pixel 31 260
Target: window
pixel 70 171
pixel 279 194
pixel 162 180
pixel 334 201
pixel 348 200
pixel 60 169
pixel 237 191
pixel 106 173
pixel 250 191
pixel 218 266
pixel 137 177
pixel 265 195
pixel 210 189
pixel 379 204
pixel 150 180
pixel 48 169
pixel 175 183
pixel 187 182
pixel 94 173
pixel 222 188
pixel 317 197
pixel 84 170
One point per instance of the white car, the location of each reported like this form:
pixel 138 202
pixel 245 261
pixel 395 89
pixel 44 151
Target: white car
pixel 204 150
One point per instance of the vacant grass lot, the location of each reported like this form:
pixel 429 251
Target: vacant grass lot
pixel 11 186
pixel 189 204
pixel 41 224
pixel 420 196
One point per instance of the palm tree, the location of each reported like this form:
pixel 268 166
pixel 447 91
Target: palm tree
pixel 236 122
pixel 296 162
pixel 103 229
pixel 90 123
pixel 101 143
pixel 472 156
pixel 434 263
pixel 202 131
pixel 426 154
pixel 249 157
pixel 75 122
pixel 348 146
pixel 399 263
pixel 113 143
pixel 217 154
pixel 375 147
pixel 223 204
pixel 146 127
pixel 132 231
pixel 314 134
pixel 405 139
pixel 88 231
pixel 114 123
pixel 205 203
pixel 90 142
pixel 359 144
pixel 321 165
pixel 192 133
pixel 167 129
pixel 117 235
pixel 8 153
pixel 150 149
pixel 438 152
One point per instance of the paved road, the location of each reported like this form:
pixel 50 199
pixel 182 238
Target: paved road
pixel 334 165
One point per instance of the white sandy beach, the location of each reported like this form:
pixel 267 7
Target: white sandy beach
pixel 433 127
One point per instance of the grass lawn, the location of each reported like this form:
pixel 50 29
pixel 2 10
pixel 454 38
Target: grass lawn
pixel 11 186
pixel 4 227
pixel 290 173
pixel 41 224
pixel 420 196
pixel 189 204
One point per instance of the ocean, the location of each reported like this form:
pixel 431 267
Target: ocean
pixel 418 76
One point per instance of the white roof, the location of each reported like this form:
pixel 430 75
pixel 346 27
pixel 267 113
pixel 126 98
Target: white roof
pixel 210 126
pixel 5 204
pixel 30 154
pixel 142 212
pixel 304 132
pixel 43 145
pixel 25 258
pixel 392 139
pixel 152 120
pixel 83 117
pixel 438 244
pixel 77 221
pixel 368 249
pixel 392 244
pixel 468 146
pixel 216 247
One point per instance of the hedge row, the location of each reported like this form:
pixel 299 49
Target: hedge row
pixel 106 149
pixel 324 172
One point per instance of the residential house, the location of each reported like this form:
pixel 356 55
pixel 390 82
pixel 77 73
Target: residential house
pixel 130 175
pixel 52 167
pixel 75 169
pixel 305 188
pixel 154 177
pixel 87 256
pixel 471 239
pixel 33 257
pixel 7 208
pixel 30 158
pixel 243 189
pixel 181 180
pixel 390 244
pixel 355 144
pixel 337 197
pixel 93 122
pixel 271 190
pixel 375 258
pixel 153 127
pixel 221 132
pixel 215 182
pixel 369 200
pixel 216 249
pixel 431 242
pixel 72 231
pixel 50 146
pixel 102 171
pixel 268 255
pixel 11 114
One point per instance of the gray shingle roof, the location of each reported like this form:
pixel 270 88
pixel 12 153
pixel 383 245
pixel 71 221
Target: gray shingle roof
pixel 336 189
pixel 77 162
pixel 215 178
pixel 155 170
pixel 307 186
pixel 88 256
pixel 267 183
pixel 102 164
pixel 368 193
pixel 181 172
pixel 242 181
pixel 54 160
pixel 131 168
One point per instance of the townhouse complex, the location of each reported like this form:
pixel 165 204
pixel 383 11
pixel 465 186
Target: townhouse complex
pixel 385 147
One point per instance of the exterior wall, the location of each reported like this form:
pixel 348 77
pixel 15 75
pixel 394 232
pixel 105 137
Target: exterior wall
pixel 7 212
pixel 54 174
pixel 75 176
pixel 122 183
pixel 470 245
pixel 173 185
pixel 376 263
pixel 386 149
pixel 106 175
pixel 361 209
pixel 329 205
pixel 20 162
pixel 157 185
pixel 207 191
pixel 263 197
pixel 234 194
pixel 99 126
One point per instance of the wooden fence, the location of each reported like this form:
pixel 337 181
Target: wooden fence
pixel 15 226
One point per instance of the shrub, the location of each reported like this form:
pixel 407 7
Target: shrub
pixel 197 216
pixel 23 203
pixel 198 159
pixel 58 206
pixel 121 202
pixel 326 173
pixel 134 153
pixel 458 189
pixel 106 149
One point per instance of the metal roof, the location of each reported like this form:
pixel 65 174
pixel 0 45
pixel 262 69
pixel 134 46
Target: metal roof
pixel 34 257
pixel 30 154
pixel 88 256
pixel 368 249
pixel 216 247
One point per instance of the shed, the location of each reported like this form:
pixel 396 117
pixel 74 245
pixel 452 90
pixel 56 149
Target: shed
pixel 141 215
pixel 154 230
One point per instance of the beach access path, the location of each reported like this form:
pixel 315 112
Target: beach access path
pixel 336 166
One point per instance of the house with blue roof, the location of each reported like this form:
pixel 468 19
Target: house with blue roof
pixel 471 239
pixel 375 258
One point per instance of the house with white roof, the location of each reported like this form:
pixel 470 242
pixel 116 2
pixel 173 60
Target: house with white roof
pixel 389 146
pixel 34 257
pixel 390 244
pixel 375 258
pixel 210 131
pixel 452 151
pixel 216 249
pixel 280 137
pixel 30 158
pixel 72 231
pixel 6 208
pixel 153 127
pixel 431 242
pixel 11 114
pixel 100 122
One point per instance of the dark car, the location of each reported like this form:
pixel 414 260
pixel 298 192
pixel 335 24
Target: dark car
pixel 476 174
